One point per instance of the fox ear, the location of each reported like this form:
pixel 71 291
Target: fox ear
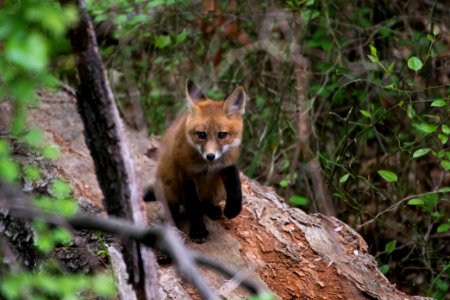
pixel 235 102
pixel 193 93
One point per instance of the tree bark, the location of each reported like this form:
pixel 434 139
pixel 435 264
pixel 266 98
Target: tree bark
pixel 107 142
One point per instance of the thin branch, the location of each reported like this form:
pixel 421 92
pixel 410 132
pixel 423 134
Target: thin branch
pixel 158 237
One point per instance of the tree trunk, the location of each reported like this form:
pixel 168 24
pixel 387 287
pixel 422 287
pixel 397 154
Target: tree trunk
pixel 297 256
pixel 106 140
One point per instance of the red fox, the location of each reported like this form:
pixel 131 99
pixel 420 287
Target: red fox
pixel 197 162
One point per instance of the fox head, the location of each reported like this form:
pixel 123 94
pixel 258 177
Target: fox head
pixel 214 127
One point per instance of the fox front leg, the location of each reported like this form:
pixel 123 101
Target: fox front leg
pixel 232 183
pixel 197 228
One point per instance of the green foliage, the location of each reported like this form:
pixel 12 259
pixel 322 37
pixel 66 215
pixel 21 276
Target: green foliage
pixel 32 34
pixel 31 30
pixel 378 105
pixel 266 296
pixel 298 200
pixel 9 169
pixel 45 284
pixel 388 175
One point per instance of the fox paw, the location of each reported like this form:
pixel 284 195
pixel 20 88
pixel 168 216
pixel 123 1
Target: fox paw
pixel 214 212
pixel 198 232
pixel 231 211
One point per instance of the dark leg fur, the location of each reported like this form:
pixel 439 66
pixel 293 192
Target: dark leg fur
pixel 149 195
pixel 232 183
pixel 214 212
pixel 197 228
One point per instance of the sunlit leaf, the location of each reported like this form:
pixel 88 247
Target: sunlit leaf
pixel 163 41
pixel 9 170
pixel 365 113
pixel 284 183
pixel 32 172
pixel 384 269
pixel 443 138
pixel 438 103
pixel 373 49
pixel 421 152
pixel 51 152
pixel 445 129
pixel 390 247
pixel 427 128
pixel 389 176
pixel 344 178
pixel 444 189
pixel 372 58
pixel 416 201
pixel 414 63
pixel 182 36
pixel 298 200
pixel 443 228
pixel 33 137
pixel 445 164
pixel 29 52
pixel 60 189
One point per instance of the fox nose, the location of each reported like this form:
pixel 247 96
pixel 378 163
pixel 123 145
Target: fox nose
pixel 210 156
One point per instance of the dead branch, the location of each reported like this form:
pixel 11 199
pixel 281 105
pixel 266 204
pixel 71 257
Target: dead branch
pixel 162 238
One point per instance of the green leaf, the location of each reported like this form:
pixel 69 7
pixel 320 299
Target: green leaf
pixel 32 172
pixel 365 113
pixel 438 103
pixel 264 296
pixel 443 138
pixel 445 129
pixel 372 58
pixel 33 137
pixel 390 247
pixel 182 36
pixel 388 175
pixel 445 164
pixel 391 68
pixel 443 228
pixel 259 101
pixel 344 178
pixel 60 189
pixel 384 269
pixel 61 235
pixel 427 128
pixel 298 200
pixel 29 52
pixel 284 183
pixel 373 49
pixel 163 41
pixel 9 170
pixel 103 284
pixel 51 152
pixel 444 189
pixel 416 201
pixel 414 63
pixel 421 152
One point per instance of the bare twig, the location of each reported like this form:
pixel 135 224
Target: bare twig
pixel 393 207
pixel 159 237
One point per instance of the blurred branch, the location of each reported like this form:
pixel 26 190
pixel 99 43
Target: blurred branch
pixel 163 238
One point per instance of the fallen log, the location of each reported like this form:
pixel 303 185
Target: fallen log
pixel 295 255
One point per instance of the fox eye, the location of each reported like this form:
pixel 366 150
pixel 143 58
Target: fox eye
pixel 201 135
pixel 222 135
